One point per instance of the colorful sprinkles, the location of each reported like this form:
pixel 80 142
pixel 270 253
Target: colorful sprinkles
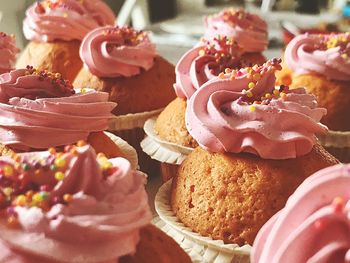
pixel 341 41
pixel 126 35
pixel 254 74
pixel 55 78
pixel 224 52
pixel 29 182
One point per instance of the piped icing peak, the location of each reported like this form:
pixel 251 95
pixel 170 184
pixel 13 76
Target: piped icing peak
pixel 117 52
pixel 34 102
pixel 8 52
pixel 71 206
pixel 314 225
pixel 204 62
pixel 249 30
pixel 328 55
pixel 242 111
pixel 67 20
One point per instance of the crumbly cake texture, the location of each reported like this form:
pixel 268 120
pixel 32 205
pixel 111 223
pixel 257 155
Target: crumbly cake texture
pixel 230 196
pixel 170 125
pixel 150 90
pixel 156 246
pixel 57 56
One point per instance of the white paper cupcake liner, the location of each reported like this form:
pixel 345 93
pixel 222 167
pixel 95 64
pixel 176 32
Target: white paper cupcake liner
pixel 161 150
pixel 131 121
pixel 336 139
pixel 128 151
pixel 200 248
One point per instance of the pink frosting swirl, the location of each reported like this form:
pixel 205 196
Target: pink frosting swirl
pixel 204 62
pixel 328 55
pixel 314 225
pixel 222 116
pixel 8 52
pixel 67 20
pixel 99 222
pixel 40 110
pixel 117 51
pixel 249 30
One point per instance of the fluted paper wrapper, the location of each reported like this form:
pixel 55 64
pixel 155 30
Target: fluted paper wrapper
pixel 128 151
pixel 337 143
pixel 170 155
pixel 130 128
pixel 199 248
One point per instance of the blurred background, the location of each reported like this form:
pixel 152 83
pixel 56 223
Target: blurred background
pixel 177 25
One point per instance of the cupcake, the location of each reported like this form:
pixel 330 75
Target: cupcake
pixel 321 64
pixel 169 141
pixel 55 29
pixel 314 224
pixel 123 62
pixel 249 30
pixel 74 206
pixel 41 110
pixel 257 144
pixel 8 52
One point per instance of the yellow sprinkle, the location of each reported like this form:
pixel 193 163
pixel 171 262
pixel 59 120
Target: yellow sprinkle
pixel 59 162
pixel 251 85
pixel 100 155
pixel 8 170
pixel 344 56
pixel 83 91
pixel 52 150
pixel 256 76
pixel 59 176
pixel 8 191
pixel 228 70
pixel 37 198
pixel 68 198
pixel 106 165
pixel 252 108
pixel 282 94
pixel 221 75
pixel 276 92
pixel 268 95
pixel 65 15
pixel 21 200
pixel 201 52
pixel 249 94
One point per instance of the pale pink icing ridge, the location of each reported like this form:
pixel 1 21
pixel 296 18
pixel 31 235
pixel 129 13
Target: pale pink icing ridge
pixel 66 20
pixel 221 116
pixel 8 52
pixel 322 54
pixel 249 30
pixel 100 224
pixel 314 225
pixel 38 114
pixel 204 62
pixel 117 52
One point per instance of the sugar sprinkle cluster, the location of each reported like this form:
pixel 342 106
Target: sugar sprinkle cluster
pixel 225 52
pixel 47 5
pixel 254 74
pixel 56 79
pixel 342 41
pixel 29 182
pixel 126 35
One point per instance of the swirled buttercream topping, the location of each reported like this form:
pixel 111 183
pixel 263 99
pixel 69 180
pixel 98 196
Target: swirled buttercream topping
pixel 66 20
pixel 117 52
pixel 204 62
pixel 328 55
pixel 243 111
pixel 249 30
pixel 40 109
pixel 314 225
pixel 70 206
